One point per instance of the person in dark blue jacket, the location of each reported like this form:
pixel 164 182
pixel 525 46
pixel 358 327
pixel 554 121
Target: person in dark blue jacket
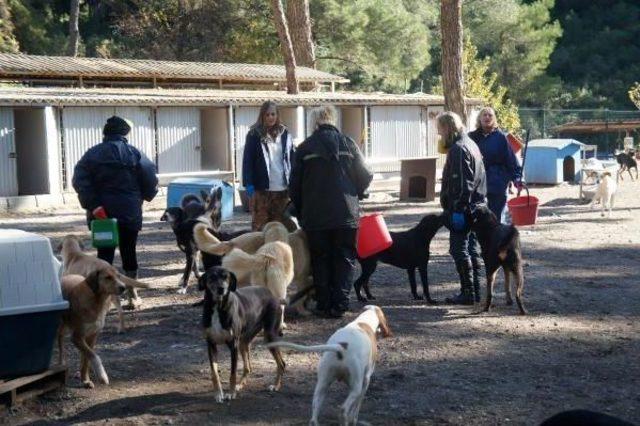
pixel 266 166
pixel 114 178
pixel 464 189
pixel 500 162
pixel 328 179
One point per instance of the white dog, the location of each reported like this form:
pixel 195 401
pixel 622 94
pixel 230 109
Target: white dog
pixel 349 356
pixel 605 193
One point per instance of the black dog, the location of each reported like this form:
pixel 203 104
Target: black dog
pixel 234 317
pixel 410 250
pixel 500 249
pixel 626 162
pixel 183 219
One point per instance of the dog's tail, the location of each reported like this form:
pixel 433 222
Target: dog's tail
pixel 239 260
pixel 208 242
pixel 132 283
pixel 509 239
pixel 338 348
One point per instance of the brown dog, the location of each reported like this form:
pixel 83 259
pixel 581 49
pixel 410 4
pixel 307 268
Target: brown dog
pixel 74 261
pixel 89 300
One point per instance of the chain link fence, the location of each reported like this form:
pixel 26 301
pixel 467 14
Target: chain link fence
pixel 543 123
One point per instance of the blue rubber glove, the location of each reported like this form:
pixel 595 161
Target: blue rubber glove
pixel 250 190
pixel 458 221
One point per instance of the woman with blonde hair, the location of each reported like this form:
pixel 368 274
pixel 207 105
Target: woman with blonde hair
pixel 266 166
pixel 328 179
pixel 500 162
pixel 464 188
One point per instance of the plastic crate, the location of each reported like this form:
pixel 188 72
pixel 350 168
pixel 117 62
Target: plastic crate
pixel 31 303
pixel 180 187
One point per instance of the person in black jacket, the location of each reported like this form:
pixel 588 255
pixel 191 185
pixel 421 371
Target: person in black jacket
pixel 328 179
pixel 464 188
pixel 113 178
pixel 266 166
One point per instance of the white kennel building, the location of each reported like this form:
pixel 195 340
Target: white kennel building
pixel 46 127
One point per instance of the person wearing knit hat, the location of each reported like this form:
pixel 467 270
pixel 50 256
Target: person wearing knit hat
pixel 113 179
pixel 117 126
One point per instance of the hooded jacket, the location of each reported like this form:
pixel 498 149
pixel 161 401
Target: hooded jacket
pixel 115 175
pixel 328 178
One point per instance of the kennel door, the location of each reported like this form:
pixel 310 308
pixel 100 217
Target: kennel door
pixel 8 159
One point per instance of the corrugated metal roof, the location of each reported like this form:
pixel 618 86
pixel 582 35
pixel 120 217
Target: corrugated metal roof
pixel 60 96
pixel 18 65
pixel 553 143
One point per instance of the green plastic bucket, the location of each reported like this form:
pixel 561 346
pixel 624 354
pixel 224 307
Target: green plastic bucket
pixel 104 233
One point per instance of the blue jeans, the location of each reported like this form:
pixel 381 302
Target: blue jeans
pixel 463 246
pixel 496 205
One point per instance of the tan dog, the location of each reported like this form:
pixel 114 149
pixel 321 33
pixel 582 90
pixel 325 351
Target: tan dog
pixel 252 241
pixel 206 241
pixel 89 300
pixel 74 261
pixel 349 356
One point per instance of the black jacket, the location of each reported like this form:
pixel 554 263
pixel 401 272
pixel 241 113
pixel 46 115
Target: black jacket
pixel 254 161
pixel 115 175
pixel 464 183
pixel 327 180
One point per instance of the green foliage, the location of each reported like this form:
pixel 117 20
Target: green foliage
pixel 480 82
pixel 634 94
pixel 8 42
pixel 598 52
pixel 41 26
pixel 518 38
pixel 379 45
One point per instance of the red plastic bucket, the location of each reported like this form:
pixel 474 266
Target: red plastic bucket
pixel 373 236
pixel 524 210
pixel 516 144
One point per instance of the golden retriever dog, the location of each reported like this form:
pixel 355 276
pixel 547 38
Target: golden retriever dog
pixel 206 241
pixel 271 267
pixel 74 261
pixel 89 300
pixel 252 241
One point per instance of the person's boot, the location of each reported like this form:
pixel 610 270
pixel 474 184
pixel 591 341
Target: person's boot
pixel 132 293
pixel 465 297
pixel 477 269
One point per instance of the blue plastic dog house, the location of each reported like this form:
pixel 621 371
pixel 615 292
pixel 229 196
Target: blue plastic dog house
pixel 553 161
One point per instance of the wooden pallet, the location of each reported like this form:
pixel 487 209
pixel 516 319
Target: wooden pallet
pixel 26 387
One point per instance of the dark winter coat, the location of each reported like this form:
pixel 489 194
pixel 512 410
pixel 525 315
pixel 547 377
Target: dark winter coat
pixel 115 175
pixel 255 159
pixel 500 163
pixel 329 177
pixel 464 185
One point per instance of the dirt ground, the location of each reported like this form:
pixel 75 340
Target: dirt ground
pixel 578 348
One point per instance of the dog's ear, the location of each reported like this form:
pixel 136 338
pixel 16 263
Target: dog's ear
pixel 233 281
pixel 204 195
pixel 202 282
pixel 80 244
pixel 93 281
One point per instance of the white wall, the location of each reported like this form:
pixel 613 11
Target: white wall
pixel 52 128
pixel 216 143
pixel 293 118
pixel 178 134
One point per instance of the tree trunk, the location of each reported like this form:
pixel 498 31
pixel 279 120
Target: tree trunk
pixel 74 31
pixel 287 47
pixel 300 26
pixel 452 77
